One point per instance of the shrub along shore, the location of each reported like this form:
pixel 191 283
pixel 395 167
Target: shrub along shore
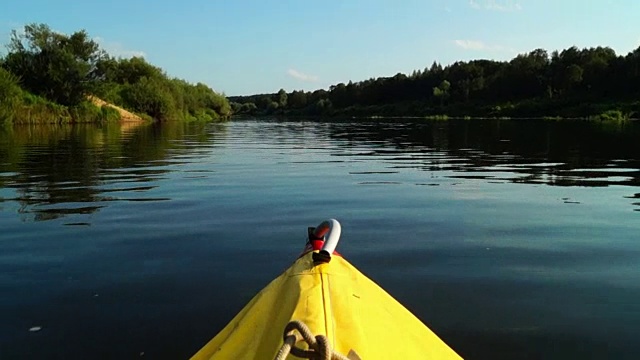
pixel 48 77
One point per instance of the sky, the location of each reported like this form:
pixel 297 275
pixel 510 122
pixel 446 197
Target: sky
pixel 242 47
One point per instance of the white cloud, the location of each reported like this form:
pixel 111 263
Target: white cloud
pixel 448 9
pixel 117 49
pixel 471 44
pixel 479 45
pixel 495 5
pixel 302 76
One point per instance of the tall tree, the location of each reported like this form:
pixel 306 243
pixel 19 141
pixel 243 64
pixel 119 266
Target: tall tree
pixel 282 98
pixel 59 67
pixel 442 91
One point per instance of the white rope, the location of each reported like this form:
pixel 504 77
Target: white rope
pixel 319 347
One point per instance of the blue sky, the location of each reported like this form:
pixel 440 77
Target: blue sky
pixel 255 46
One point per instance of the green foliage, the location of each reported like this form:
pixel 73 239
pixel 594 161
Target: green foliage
pixel 88 112
pixel 440 117
pixel 151 96
pixel 143 88
pixel 323 107
pixel 282 98
pixel 111 92
pixel 10 93
pixel 56 66
pixel 272 107
pixel 573 75
pixel 442 91
pixel 127 71
pixel 110 114
pixel 36 109
pixel 297 100
pixel 569 83
pixel 612 116
pixel 60 71
pixel 246 108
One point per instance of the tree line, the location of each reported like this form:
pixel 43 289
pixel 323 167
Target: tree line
pixel 569 83
pixel 49 76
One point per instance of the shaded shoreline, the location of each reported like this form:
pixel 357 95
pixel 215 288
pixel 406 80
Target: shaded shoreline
pixel 427 117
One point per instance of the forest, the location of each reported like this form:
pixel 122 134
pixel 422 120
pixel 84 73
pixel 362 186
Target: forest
pixel 49 77
pixel 46 76
pixel 591 83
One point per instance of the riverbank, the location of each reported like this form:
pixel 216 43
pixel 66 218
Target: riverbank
pixel 125 115
pixel 550 110
pixel 49 77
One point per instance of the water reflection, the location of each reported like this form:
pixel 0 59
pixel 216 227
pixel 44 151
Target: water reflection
pixel 53 171
pixel 511 239
pixel 564 153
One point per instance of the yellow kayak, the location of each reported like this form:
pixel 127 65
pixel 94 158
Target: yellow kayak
pixel 327 296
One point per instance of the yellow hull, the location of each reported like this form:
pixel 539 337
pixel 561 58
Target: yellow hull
pixel 336 300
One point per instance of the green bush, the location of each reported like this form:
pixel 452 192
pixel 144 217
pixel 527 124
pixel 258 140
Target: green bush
pixel 110 114
pixel 10 93
pixel 57 72
pixel 152 97
pixel 612 115
pixel 86 112
pixel 36 109
pixel 89 112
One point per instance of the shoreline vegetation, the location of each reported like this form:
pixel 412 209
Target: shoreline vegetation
pixel 589 83
pixel 49 77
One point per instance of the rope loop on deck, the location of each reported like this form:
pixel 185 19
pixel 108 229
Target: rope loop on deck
pixel 319 347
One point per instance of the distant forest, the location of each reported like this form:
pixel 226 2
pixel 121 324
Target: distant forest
pixel 573 83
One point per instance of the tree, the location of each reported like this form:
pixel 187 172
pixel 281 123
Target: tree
pixel 435 68
pixel 150 96
pixel 248 108
pixel 573 75
pixel 59 67
pixel 339 95
pixel 297 99
pixel 282 98
pixel 130 71
pixel 522 86
pixel 442 91
pixel 323 106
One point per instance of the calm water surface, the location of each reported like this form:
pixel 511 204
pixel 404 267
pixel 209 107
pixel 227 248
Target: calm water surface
pixel 510 239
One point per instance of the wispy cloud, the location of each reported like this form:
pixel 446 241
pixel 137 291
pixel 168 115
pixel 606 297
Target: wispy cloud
pixel 117 49
pixel 448 9
pixel 302 76
pixel 479 45
pixel 471 44
pixel 495 5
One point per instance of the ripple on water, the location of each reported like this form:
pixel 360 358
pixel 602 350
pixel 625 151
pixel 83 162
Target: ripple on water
pixel 518 243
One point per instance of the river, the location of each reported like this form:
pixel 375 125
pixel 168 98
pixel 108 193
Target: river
pixel 508 238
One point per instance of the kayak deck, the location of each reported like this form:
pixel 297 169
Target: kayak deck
pixel 333 299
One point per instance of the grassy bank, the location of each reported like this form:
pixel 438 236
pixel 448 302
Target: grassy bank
pixel 49 77
pixel 21 107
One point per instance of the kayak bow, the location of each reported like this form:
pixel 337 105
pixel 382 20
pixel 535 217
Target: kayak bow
pixel 333 298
